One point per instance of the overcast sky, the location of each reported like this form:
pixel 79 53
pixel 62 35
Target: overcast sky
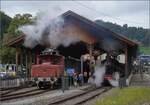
pixel 133 13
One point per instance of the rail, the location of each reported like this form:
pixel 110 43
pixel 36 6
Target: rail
pixel 94 92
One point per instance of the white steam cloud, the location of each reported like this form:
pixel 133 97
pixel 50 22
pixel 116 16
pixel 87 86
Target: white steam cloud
pixel 48 29
pixel 115 81
pixel 111 44
pixel 99 75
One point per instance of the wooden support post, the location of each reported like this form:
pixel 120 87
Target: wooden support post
pixel 26 64
pixel 21 57
pixel 37 54
pixel 17 59
pixel 90 52
pixel 29 64
pixel 81 58
pixel 126 62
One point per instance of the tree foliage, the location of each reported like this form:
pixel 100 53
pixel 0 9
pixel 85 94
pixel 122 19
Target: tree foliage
pixel 146 39
pixel 17 21
pixel 7 53
pixel 4 23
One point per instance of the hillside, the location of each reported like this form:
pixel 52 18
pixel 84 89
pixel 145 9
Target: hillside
pixel 134 33
pixel 138 34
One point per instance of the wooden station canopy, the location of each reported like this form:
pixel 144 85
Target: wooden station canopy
pixel 90 34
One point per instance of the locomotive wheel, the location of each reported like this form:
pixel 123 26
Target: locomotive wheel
pixel 40 85
pixel 43 85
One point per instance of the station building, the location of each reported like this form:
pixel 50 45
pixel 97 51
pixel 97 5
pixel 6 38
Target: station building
pixel 95 41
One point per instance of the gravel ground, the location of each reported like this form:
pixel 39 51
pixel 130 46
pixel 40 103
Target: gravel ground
pixel 43 99
pixel 93 101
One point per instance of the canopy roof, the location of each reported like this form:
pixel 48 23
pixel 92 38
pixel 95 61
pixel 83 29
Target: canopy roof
pixel 95 31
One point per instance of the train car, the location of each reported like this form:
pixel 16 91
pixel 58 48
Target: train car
pixel 48 70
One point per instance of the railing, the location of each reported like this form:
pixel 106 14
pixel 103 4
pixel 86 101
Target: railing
pixel 141 69
pixel 10 83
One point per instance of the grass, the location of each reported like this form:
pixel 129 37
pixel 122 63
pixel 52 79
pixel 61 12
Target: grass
pixel 127 96
pixel 145 50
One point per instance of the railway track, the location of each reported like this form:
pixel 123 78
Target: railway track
pixel 12 88
pixel 91 96
pixel 22 94
pixel 81 98
pixel 14 94
pixel 9 91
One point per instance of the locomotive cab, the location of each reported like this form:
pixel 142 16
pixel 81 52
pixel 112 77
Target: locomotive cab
pixel 48 69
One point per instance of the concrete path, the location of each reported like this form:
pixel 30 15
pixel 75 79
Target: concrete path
pixel 140 80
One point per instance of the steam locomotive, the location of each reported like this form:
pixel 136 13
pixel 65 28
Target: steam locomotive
pixel 114 70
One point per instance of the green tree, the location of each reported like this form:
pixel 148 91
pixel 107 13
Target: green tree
pixel 17 21
pixel 4 23
pixel 146 40
pixel 7 53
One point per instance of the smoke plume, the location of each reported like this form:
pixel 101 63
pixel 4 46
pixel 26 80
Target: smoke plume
pixel 110 44
pixel 115 81
pixel 48 29
pixel 99 75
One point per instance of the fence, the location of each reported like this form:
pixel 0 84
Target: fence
pixel 141 69
pixel 10 83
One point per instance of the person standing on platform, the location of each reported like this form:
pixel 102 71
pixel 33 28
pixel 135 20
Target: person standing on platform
pixel 75 79
pixel 80 79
